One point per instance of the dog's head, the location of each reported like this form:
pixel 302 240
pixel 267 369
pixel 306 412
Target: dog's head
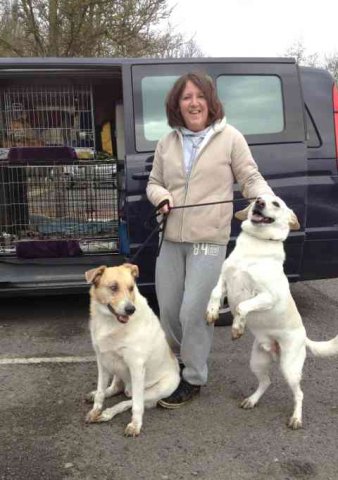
pixel 114 288
pixel 269 218
pixel 17 129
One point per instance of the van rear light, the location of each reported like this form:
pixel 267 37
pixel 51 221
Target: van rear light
pixel 335 116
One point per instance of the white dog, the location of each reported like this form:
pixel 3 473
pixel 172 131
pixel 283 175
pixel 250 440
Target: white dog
pixel 258 293
pixel 130 346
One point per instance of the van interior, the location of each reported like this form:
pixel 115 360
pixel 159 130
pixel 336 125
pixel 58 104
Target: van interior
pixel 61 139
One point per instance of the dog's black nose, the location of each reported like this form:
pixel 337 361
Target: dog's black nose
pixel 259 203
pixel 129 309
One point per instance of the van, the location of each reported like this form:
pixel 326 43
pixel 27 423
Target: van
pixel 77 140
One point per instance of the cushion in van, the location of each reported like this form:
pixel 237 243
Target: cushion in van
pixel 41 155
pixel 48 249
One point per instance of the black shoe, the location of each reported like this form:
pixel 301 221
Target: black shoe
pixel 183 394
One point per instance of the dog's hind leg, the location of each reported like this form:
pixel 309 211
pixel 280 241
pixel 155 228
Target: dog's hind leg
pixel 152 395
pixel 137 374
pixel 292 367
pixel 260 365
pixel 110 413
pixel 116 387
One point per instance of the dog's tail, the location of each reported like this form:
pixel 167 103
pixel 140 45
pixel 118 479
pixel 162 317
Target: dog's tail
pixel 323 349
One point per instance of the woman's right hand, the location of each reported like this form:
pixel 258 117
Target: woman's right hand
pixel 167 206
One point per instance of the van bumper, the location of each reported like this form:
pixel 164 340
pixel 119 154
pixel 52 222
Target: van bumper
pixel 56 276
pixel 49 276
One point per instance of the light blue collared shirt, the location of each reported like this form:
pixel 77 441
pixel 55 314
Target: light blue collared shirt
pixel 191 143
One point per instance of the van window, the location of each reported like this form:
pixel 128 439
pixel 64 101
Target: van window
pixel 154 91
pixel 252 103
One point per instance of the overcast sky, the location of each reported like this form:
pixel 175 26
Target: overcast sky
pixel 230 28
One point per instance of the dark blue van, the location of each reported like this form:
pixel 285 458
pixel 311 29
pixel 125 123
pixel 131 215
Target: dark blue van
pixel 77 139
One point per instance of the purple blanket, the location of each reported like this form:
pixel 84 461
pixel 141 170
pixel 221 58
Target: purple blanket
pixel 48 249
pixel 41 155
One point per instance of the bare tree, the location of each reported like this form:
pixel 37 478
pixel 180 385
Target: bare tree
pixel 72 28
pixel 179 47
pixel 329 62
pixel 296 51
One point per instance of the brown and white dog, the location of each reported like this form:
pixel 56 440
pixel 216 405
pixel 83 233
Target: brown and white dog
pixel 21 134
pixel 259 296
pixel 131 349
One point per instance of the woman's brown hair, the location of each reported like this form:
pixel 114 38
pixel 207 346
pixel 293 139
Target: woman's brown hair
pixel 206 85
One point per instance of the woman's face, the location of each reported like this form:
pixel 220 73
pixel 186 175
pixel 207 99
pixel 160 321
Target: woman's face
pixel 194 107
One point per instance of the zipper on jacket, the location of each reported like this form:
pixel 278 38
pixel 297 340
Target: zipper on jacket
pixel 187 178
pixel 190 172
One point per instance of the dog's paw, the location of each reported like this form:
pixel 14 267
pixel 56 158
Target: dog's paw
pixel 247 403
pixel 212 314
pixel 295 423
pixel 106 415
pixel 132 430
pixel 238 326
pixel 237 332
pixel 93 416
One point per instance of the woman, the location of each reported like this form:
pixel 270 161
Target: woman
pixel 195 163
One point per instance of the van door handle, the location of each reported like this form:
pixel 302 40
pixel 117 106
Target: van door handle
pixel 140 176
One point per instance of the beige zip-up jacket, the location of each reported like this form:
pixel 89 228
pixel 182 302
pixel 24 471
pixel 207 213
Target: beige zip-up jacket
pixel 223 157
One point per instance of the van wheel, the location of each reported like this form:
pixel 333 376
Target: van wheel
pixel 225 316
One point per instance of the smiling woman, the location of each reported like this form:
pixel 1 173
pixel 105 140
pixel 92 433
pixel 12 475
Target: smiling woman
pixel 194 107
pixel 193 101
pixel 195 163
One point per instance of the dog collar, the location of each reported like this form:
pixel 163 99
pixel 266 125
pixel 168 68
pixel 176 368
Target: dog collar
pixel 264 239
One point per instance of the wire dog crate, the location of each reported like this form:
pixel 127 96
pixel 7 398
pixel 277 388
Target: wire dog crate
pixel 47 193
pixel 47 116
pixel 72 202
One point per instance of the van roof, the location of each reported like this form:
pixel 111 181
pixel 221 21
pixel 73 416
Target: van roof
pixel 59 62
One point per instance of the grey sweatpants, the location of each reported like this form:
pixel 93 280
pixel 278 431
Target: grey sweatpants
pixel 185 275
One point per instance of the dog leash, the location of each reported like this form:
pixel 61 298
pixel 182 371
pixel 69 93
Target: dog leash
pixel 159 228
pixel 161 225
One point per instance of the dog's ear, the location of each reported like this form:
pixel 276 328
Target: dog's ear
pixel 243 214
pixel 133 268
pixel 93 276
pixel 293 221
